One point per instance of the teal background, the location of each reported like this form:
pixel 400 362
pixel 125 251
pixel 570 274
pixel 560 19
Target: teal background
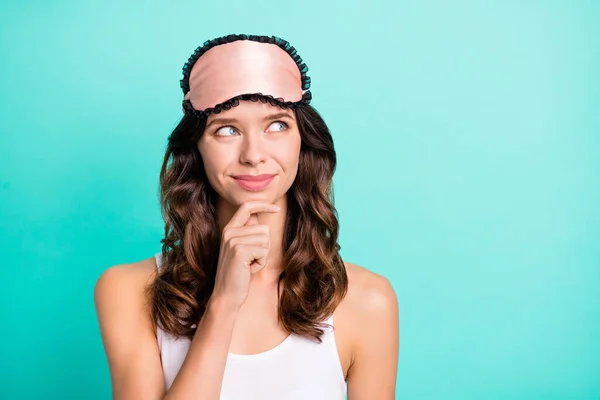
pixel 468 141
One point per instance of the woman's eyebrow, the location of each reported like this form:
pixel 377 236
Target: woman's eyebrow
pixel 233 120
pixel 277 116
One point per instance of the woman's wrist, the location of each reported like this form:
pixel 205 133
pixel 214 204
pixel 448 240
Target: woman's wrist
pixel 221 305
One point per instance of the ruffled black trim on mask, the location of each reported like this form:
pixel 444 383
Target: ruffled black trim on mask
pixel 234 101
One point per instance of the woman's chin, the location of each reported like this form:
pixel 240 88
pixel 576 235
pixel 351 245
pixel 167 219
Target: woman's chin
pixel 253 196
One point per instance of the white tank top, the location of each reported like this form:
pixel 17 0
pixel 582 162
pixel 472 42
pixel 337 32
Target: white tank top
pixel 296 369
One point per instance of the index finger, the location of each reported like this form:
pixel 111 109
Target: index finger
pixel 242 215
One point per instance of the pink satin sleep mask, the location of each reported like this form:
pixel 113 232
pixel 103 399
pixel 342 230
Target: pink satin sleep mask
pixel 231 68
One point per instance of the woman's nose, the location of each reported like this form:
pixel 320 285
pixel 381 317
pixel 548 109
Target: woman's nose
pixel 253 149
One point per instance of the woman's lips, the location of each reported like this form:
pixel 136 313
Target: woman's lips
pixel 254 183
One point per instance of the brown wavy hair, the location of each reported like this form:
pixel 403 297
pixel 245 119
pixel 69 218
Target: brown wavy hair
pixel 314 278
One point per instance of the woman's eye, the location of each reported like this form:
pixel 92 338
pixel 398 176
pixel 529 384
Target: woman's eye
pixel 279 125
pixel 225 131
pixel 276 126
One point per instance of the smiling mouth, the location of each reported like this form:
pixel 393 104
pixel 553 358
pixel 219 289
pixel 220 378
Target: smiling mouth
pixel 254 177
pixel 254 183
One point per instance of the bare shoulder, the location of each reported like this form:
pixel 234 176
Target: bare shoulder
pixel 370 315
pixel 369 292
pixel 369 310
pixel 127 329
pixel 121 278
pixel 124 282
pixel 120 292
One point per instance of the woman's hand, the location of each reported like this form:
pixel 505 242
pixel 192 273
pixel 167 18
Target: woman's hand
pixel 243 252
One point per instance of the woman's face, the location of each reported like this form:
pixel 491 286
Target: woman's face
pixel 251 139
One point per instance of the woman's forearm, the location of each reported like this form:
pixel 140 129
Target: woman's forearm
pixel 201 374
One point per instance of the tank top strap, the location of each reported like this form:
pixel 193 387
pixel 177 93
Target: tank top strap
pixel 329 322
pixel 158 259
pixel 329 342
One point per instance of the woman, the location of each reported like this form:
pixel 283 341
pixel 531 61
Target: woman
pixel 241 302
